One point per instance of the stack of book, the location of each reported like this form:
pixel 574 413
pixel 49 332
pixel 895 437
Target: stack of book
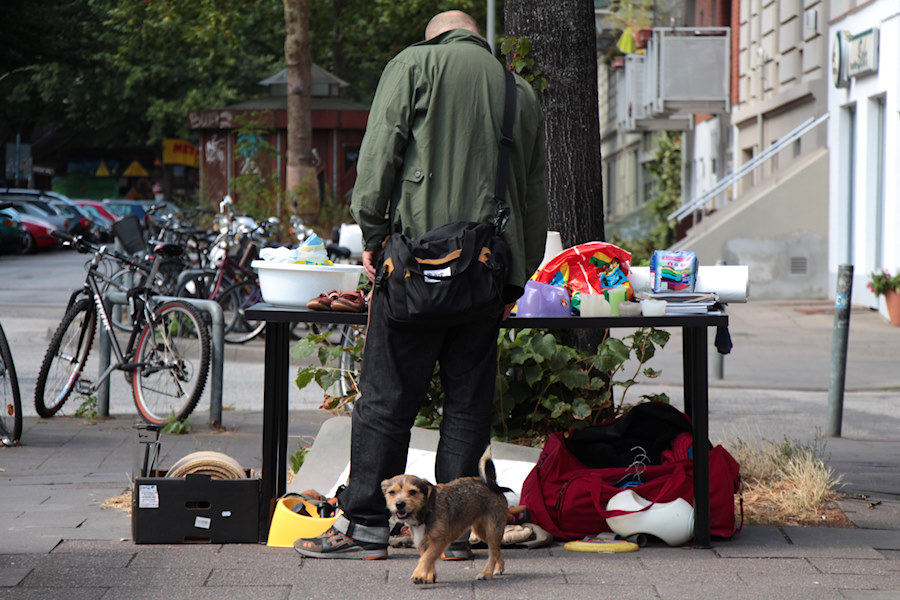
pixel 684 303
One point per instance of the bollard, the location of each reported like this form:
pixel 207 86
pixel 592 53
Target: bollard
pixel 839 339
pixel 105 353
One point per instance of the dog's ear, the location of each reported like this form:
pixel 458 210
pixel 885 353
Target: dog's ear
pixel 425 487
pixel 387 483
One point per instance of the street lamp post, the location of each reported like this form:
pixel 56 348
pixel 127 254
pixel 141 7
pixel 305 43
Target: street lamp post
pixel 18 146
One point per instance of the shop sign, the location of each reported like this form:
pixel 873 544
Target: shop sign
pixel 862 53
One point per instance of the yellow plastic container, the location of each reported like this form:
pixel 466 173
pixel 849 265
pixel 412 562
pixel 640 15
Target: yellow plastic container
pixel 288 526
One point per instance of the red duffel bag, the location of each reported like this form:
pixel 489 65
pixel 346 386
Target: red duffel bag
pixel 568 498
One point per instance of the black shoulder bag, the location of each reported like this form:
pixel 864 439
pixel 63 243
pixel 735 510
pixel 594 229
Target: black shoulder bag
pixel 456 272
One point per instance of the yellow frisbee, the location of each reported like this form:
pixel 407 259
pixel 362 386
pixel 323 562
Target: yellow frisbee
pixel 601 545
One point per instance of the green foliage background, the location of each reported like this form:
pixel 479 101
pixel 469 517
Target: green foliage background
pixel 126 72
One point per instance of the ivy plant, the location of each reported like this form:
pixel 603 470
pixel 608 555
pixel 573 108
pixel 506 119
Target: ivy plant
pixel 522 61
pixel 542 385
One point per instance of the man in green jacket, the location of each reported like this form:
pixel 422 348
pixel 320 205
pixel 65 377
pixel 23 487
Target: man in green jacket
pixel 431 149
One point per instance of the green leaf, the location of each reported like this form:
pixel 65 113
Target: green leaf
pixel 326 378
pixel 651 373
pixel 303 348
pixel 597 384
pixel 574 378
pixel 559 409
pixel 533 374
pixel 656 398
pixel 611 354
pixel 545 345
pixel 524 46
pixel 581 410
pixel 659 336
pixel 305 376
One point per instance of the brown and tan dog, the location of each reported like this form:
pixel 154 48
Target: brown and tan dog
pixel 440 514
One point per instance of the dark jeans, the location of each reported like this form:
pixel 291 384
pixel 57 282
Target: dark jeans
pixel 397 365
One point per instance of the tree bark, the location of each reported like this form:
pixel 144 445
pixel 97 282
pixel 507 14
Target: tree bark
pixel 564 47
pixel 301 183
pixel 337 40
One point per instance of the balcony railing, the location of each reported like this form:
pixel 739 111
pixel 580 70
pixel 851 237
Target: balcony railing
pixel 702 201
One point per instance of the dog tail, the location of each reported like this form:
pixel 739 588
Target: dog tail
pixel 488 473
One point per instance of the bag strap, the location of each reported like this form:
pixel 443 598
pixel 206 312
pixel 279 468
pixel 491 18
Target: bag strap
pixel 501 217
pixel 673 481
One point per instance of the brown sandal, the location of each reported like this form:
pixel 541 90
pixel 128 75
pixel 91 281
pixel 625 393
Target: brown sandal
pixel 323 301
pixel 350 302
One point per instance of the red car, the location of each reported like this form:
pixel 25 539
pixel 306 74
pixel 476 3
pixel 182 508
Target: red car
pixel 100 208
pixel 38 233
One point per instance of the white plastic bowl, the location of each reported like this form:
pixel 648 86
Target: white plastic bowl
pixel 287 284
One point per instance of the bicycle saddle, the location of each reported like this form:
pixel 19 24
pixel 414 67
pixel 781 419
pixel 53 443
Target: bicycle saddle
pixel 166 249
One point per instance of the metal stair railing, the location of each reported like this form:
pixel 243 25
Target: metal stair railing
pixel 748 167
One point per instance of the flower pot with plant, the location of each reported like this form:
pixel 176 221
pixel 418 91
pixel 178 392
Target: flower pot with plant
pixel 882 283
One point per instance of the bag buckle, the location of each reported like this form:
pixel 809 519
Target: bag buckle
pixel 501 218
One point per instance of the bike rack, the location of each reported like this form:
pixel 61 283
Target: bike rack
pixel 217 359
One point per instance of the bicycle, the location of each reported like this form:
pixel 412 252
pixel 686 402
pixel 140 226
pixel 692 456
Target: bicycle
pixel 230 281
pixel 166 359
pixel 10 400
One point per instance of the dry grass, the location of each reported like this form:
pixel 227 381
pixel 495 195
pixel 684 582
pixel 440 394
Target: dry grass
pixel 788 483
pixel 121 502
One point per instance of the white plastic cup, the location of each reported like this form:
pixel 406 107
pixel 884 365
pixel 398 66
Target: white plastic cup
pixel 653 308
pixel 595 305
pixel 629 309
pixel 552 247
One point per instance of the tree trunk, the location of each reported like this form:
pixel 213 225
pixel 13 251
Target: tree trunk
pixel 564 47
pixel 337 40
pixel 301 183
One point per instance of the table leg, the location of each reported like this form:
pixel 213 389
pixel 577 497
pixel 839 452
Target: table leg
pixel 696 400
pixel 273 479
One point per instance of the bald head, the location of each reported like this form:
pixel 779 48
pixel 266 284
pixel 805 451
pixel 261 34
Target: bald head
pixel 452 19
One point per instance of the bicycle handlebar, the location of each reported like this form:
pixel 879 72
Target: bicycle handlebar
pixel 85 247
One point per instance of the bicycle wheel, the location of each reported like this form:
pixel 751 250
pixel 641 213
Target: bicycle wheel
pixel 172 357
pixel 10 401
pixel 65 358
pixel 235 300
pixel 197 286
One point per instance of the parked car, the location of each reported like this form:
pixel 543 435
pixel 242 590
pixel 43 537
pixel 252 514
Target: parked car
pixel 84 225
pixel 102 218
pixel 38 233
pixel 79 224
pixel 40 209
pixel 123 208
pixel 12 232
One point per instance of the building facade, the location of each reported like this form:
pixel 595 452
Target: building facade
pixel 864 137
pixel 338 126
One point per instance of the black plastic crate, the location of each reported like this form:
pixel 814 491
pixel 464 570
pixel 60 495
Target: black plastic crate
pixel 195 509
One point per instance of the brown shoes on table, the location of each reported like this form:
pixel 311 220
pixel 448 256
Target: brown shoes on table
pixel 337 300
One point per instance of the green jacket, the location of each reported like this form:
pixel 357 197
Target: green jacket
pixel 431 147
